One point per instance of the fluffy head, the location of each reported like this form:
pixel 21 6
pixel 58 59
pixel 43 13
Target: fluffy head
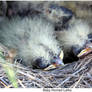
pixel 34 39
pixel 58 15
pixel 75 35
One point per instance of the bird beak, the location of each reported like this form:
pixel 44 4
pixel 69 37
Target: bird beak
pixel 84 52
pixel 59 62
pixel 52 66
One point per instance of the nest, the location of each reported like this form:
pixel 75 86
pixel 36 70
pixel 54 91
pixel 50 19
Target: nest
pixel 73 75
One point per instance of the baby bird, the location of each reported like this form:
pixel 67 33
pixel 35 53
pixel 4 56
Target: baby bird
pixel 33 39
pixel 54 13
pixel 59 15
pixel 74 39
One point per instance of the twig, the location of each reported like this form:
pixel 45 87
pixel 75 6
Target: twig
pixel 75 85
pixel 21 84
pixel 9 86
pixel 30 76
pixel 3 82
pixel 87 84
pixel 79 65
pixel 46 80
pixel 15 66
pixel 38 85
pixel 73 74
pixel 89 76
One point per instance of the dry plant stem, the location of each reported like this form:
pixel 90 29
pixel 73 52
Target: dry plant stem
pixel 28 75
pixel 9 86
pixel 20 82
pixel 75 85
pixel 3 81
pixel 67 79
pixel 87 84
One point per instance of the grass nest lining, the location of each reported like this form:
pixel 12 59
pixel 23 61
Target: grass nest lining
pixel 73 75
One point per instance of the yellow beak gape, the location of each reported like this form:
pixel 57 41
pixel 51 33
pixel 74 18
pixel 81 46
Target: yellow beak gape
pixel 84 51
pixel 61 55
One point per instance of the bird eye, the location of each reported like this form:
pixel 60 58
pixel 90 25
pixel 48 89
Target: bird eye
pixel 55 56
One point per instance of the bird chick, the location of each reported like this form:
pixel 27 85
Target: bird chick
pixel 74 39
pixel 59 15
pixel 54 13
pixel 33 39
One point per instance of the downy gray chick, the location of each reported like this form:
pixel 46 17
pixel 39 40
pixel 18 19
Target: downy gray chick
pixel 54 13
pixel 74 39
pixel 33 39
pixel 58 15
